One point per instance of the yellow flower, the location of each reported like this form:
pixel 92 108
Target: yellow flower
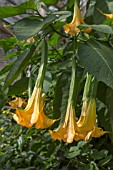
pixel 87 126
pixel 108 16
pixel 67 129
pixel 18 102
pixel 2 136
pixel 77 20
pixel 1 128
pixel 5 111
pixel 33 113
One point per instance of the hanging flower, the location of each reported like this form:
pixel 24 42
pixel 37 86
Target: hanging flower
pixel 67 129
pixel 33 113
pixel 108 16
pixel 18 102
pixel 77 20
pixel 87 126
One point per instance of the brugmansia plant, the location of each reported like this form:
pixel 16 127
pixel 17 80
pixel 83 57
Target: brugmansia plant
pixel 56 91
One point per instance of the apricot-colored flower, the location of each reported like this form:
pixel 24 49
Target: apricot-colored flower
pixel 67 129
pixel 18 102
pixel 77 20
pixel 33 113
pixel 87 126
pixel 108 16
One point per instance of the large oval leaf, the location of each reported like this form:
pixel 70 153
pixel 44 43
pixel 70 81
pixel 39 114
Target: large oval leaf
pixel 8 11
pixel 97 60
pixel 101 28
pixel 19 65
pixel 30 26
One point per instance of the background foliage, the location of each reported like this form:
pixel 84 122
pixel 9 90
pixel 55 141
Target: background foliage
pixel 30 149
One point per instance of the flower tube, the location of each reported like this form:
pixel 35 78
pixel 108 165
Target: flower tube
pixel 77 20
pixel 87 126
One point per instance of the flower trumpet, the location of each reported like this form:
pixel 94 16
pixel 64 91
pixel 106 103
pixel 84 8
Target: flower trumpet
pixel 87 126
pixel 67 129
pixel 77 20
pixel 34 111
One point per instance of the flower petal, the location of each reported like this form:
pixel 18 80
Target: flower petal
pixel 44 121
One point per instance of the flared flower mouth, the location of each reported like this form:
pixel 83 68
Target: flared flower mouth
pixel 77 20
pixel 67 130
pixel 83 129
pixel 34 112
pixel 87 126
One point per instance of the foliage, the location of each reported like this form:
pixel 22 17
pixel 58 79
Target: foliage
pixel 23 148
pixel 30 149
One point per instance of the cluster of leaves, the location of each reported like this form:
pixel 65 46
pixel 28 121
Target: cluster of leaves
pixel 22 148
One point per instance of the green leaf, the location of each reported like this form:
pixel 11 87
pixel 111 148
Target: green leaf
pixel 8 43
pixel 7 11
pixel 19 65
pixel 109 99
pixel 97 60
pixel 91 166
pixel 51 150
pixel 61 95
pixel 73 152
pixel 96 155
pixel 62 15
pixel 105 160
pixel 105 6
pixel 30 26
pixel 64 64
pixel 50 2
pixel 6 69
pixel 47 81
pixel 101 92
pixel 54 39
pixel 35 146
pixel 19 87
pixel 101 28
pixel 3 97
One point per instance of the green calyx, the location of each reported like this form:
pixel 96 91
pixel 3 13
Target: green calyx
pixel 43 65
pixel 90 88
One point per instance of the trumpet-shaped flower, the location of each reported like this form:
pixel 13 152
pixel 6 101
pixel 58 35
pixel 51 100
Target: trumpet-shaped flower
pixel 18 102
pixel 77 20
pixel 108 16
pixel 87 126
pixel 33 113
pixel 67 129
